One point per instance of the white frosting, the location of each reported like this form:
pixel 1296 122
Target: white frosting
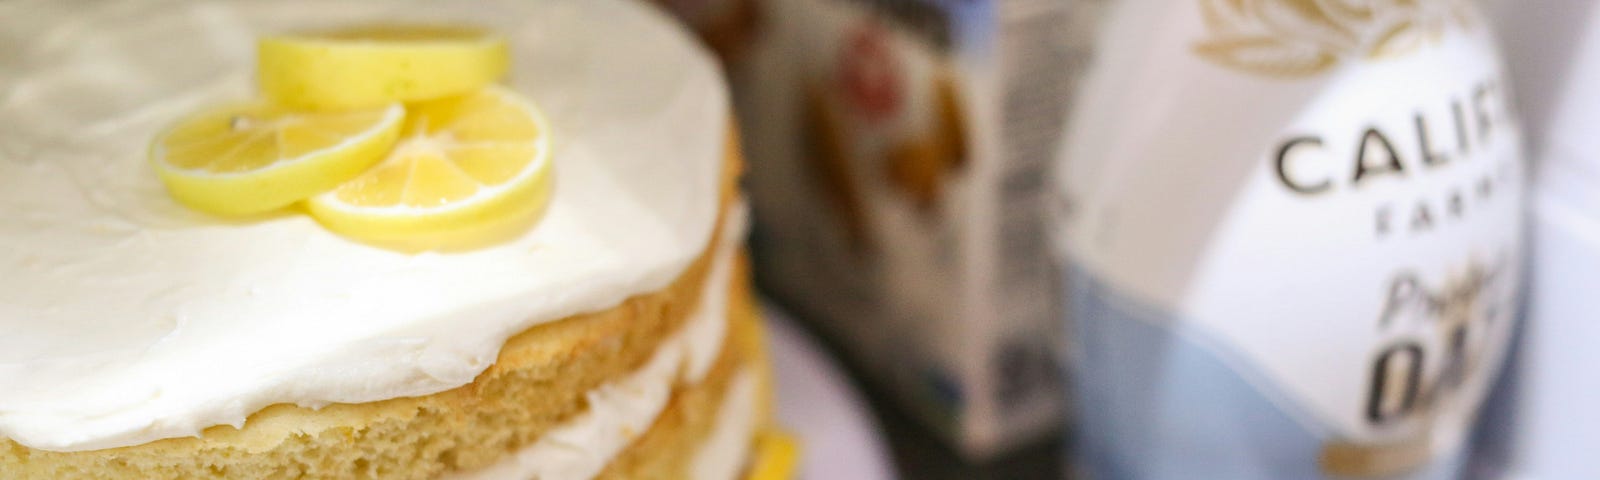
pixel 726 452
pixel 621 411
pixel 129 318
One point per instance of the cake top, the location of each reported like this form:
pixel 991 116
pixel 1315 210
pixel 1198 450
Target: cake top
pixel 130 318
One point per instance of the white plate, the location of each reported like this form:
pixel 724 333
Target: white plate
pixel 839 437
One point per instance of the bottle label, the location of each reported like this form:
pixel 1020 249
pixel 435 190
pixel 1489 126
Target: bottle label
pixel 1295 249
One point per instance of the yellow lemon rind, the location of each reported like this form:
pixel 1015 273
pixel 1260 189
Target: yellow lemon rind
pixel 332 74
pixel 475 222
pixel 283 183
pixel 776 456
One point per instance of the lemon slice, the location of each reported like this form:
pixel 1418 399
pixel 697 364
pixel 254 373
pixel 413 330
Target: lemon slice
pixel 372 66
pixel 777 453
pixel 464 169
pixel 253 157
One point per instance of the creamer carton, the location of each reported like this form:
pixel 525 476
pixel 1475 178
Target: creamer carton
pixel 897 154
pixel 1293 232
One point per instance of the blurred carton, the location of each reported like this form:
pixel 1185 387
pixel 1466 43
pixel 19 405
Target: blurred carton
pixel 897 150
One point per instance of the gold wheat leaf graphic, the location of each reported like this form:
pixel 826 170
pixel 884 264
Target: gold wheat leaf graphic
pixel 1305 20
pixel 1267 55
pixel 1350 11
pixel 1397 41
pixel 1309 37
pixel 1224 15
pixel 1463 14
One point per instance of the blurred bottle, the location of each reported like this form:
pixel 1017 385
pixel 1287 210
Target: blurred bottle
pixel 1293 237
pixel 1544 424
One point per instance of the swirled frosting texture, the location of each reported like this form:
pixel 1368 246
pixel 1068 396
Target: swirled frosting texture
pixel 127 318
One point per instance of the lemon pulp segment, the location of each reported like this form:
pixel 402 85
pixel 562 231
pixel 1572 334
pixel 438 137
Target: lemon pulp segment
pixel 461 165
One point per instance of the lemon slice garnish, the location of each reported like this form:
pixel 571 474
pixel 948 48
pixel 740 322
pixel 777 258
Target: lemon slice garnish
pixel 776 455
pixel 371 66
pixel 464 167
pixel 253 157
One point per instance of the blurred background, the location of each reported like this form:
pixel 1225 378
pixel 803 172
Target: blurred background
pixel 1150 238
pixel 1173 239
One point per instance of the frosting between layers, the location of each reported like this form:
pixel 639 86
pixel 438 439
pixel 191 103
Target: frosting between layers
pixel 622 410
pixel 129 318
pixel 726 453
